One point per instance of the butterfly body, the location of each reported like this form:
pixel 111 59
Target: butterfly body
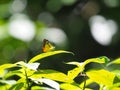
pixel 47 46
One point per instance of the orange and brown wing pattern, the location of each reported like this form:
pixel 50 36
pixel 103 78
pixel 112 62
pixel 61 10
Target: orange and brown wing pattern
pixel 47 46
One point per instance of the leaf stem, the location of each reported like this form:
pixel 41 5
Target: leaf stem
pixel 27 81
pixel 85 77
pixel 84 82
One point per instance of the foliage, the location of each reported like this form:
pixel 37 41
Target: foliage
pixel 30 77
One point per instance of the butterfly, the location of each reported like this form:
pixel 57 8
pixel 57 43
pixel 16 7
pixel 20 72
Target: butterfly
pixel 47 46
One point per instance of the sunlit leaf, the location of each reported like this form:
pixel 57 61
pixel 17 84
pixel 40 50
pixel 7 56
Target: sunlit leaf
pixel 43 55
pixel 81 66
pixel 73 73
pixel 20 63
pixel 12 73
pixel 5 87
pixel 8 82
pixel 32 66
pixel 22 80
pixel 116 61
pixel 49 82
pixel 117 73
pixel 18 86
pixel 5 66
pixel 75 63
pixel 27 71
pixel 87 82
pixel 26 68
pixel 101 76
pixel 67 86
pixel 116 88
pixel 41 88
pixel 52 74
pixel 102 59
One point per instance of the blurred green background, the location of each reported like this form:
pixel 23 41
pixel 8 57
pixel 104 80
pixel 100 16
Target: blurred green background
pixel 88 28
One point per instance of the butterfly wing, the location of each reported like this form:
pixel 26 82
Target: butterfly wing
pixel 47 46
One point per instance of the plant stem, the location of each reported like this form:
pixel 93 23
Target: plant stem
pixel 27 81
pixel 85 76
pixel 84 83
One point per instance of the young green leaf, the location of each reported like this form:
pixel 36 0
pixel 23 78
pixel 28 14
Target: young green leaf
pixel 18 86
pixel 32 66
pixel 4 87
pixel 13 73
pixel 5 66
pixel 102 59
pixel 41 88
pixel 88 82
pixel 49 82
pixel 116 61
pixel 73 73
pixel 43 55
pixel 102 76
pixel 81 66
pixel 117 72
pixel 68 86
pixel 10 82
pixel 52 74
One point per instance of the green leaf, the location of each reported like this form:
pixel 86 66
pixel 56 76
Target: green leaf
pixel 41 88
pixel 116 61
pixel 28 68
pixel 17 86
pixel 67 86
pixel 32 66
pixel 117 73
pixel 49 82
pixel 10 82
pixel 75 63
pixel 88 82
pixel 43 55
pixel 5 87
pixel 20 63
pixel 52 74
pixel 102 59
pixel 81 66
pixel 116 88
pixel 5 66
pixel 12 73
pixel 73 73
pixel 22 80
pixel 102 76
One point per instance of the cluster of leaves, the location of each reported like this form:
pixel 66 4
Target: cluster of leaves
pixel 27 76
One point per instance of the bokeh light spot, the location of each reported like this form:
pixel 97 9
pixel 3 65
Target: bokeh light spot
pixel 21 27
pixel 55 35
pixel 18 6
pixel 112 3
pixel 102 30
pixel 46 18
